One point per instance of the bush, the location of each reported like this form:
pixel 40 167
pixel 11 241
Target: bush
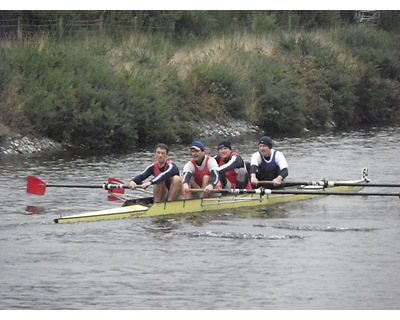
pixel 280 98
pixel 375 103
pixel 262 22
pixel 223 85
pixel 375 47
pixel 196 23
pixel 73 97
pixel 343 98
pixel 331 85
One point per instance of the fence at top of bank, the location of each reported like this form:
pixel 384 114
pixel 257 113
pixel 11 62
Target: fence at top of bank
pixel 21 29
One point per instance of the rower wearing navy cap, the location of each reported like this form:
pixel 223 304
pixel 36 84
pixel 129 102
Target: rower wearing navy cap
pixel 201 172
pixel 268 164
pixel 232 169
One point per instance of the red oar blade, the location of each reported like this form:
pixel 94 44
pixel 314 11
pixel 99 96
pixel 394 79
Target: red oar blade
pixel 116 190
pixel 35 186
pixel 112 198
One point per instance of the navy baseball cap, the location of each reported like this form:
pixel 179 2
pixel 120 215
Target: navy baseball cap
pixel 197 145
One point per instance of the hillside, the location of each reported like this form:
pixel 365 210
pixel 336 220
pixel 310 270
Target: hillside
pixel 142 88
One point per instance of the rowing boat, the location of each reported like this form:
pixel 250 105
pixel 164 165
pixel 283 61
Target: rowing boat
pixel 140 208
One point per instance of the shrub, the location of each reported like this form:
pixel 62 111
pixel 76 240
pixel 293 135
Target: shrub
pixel 280 98
pixel 73 97
pixel 375 105
pixel 374 47
pixel 224 85
pixel 331 85
pixel 343 98
pixel 262 22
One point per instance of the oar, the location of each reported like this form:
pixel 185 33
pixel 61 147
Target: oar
pixel 122 191
pixel 327 183
pixel 38 186
pixel 263 191
pixel 118 192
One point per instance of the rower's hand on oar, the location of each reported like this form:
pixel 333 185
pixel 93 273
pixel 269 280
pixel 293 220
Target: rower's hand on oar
pixel 277 181
pixel 186 187
pixel 146 185
pixel 132 185
pixel 208 189
pixel 254 181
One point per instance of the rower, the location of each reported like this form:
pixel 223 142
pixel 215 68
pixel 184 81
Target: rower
pixel 201 172
pixel 167 182
pixel 232 169
pixel 268 164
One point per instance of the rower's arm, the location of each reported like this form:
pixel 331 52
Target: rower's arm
pixel 188 171
pixel 213 169
pixel 284 173
pixel 255 161
pixel 170 171
pixel 187 176
pixel 282 163
pixel 144 175
pixel 233 163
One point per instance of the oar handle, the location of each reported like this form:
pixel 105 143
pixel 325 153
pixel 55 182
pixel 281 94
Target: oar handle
pixel 112 186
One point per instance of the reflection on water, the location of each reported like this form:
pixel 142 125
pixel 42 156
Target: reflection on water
pixel 327 253
pixel 34 210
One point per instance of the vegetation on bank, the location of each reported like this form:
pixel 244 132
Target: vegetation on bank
pixel 140 88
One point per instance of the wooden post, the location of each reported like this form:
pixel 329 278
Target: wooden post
pixel 60 28
pixel 101 25
pixel 19 29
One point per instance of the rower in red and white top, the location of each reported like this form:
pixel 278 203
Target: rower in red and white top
pixel 232 169
pixel 200 172
pixel 167 182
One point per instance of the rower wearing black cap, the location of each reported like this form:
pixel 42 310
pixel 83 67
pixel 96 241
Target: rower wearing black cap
pixel 268 164
pixel 232 169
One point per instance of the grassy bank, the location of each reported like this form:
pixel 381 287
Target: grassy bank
pixel 144 88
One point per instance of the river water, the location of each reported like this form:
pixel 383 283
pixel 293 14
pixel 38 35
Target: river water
pixel 331 253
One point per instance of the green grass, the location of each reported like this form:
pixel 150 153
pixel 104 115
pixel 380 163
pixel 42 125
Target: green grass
pixel 145 88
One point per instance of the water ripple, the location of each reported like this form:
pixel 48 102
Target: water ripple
pixel 234 235
pixel 323 228
pixel 161 225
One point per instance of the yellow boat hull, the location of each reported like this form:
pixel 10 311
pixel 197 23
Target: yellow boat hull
pixel 198 205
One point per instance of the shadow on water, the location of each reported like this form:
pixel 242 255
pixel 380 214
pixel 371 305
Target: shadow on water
pixel 34 210
pixel 220 217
